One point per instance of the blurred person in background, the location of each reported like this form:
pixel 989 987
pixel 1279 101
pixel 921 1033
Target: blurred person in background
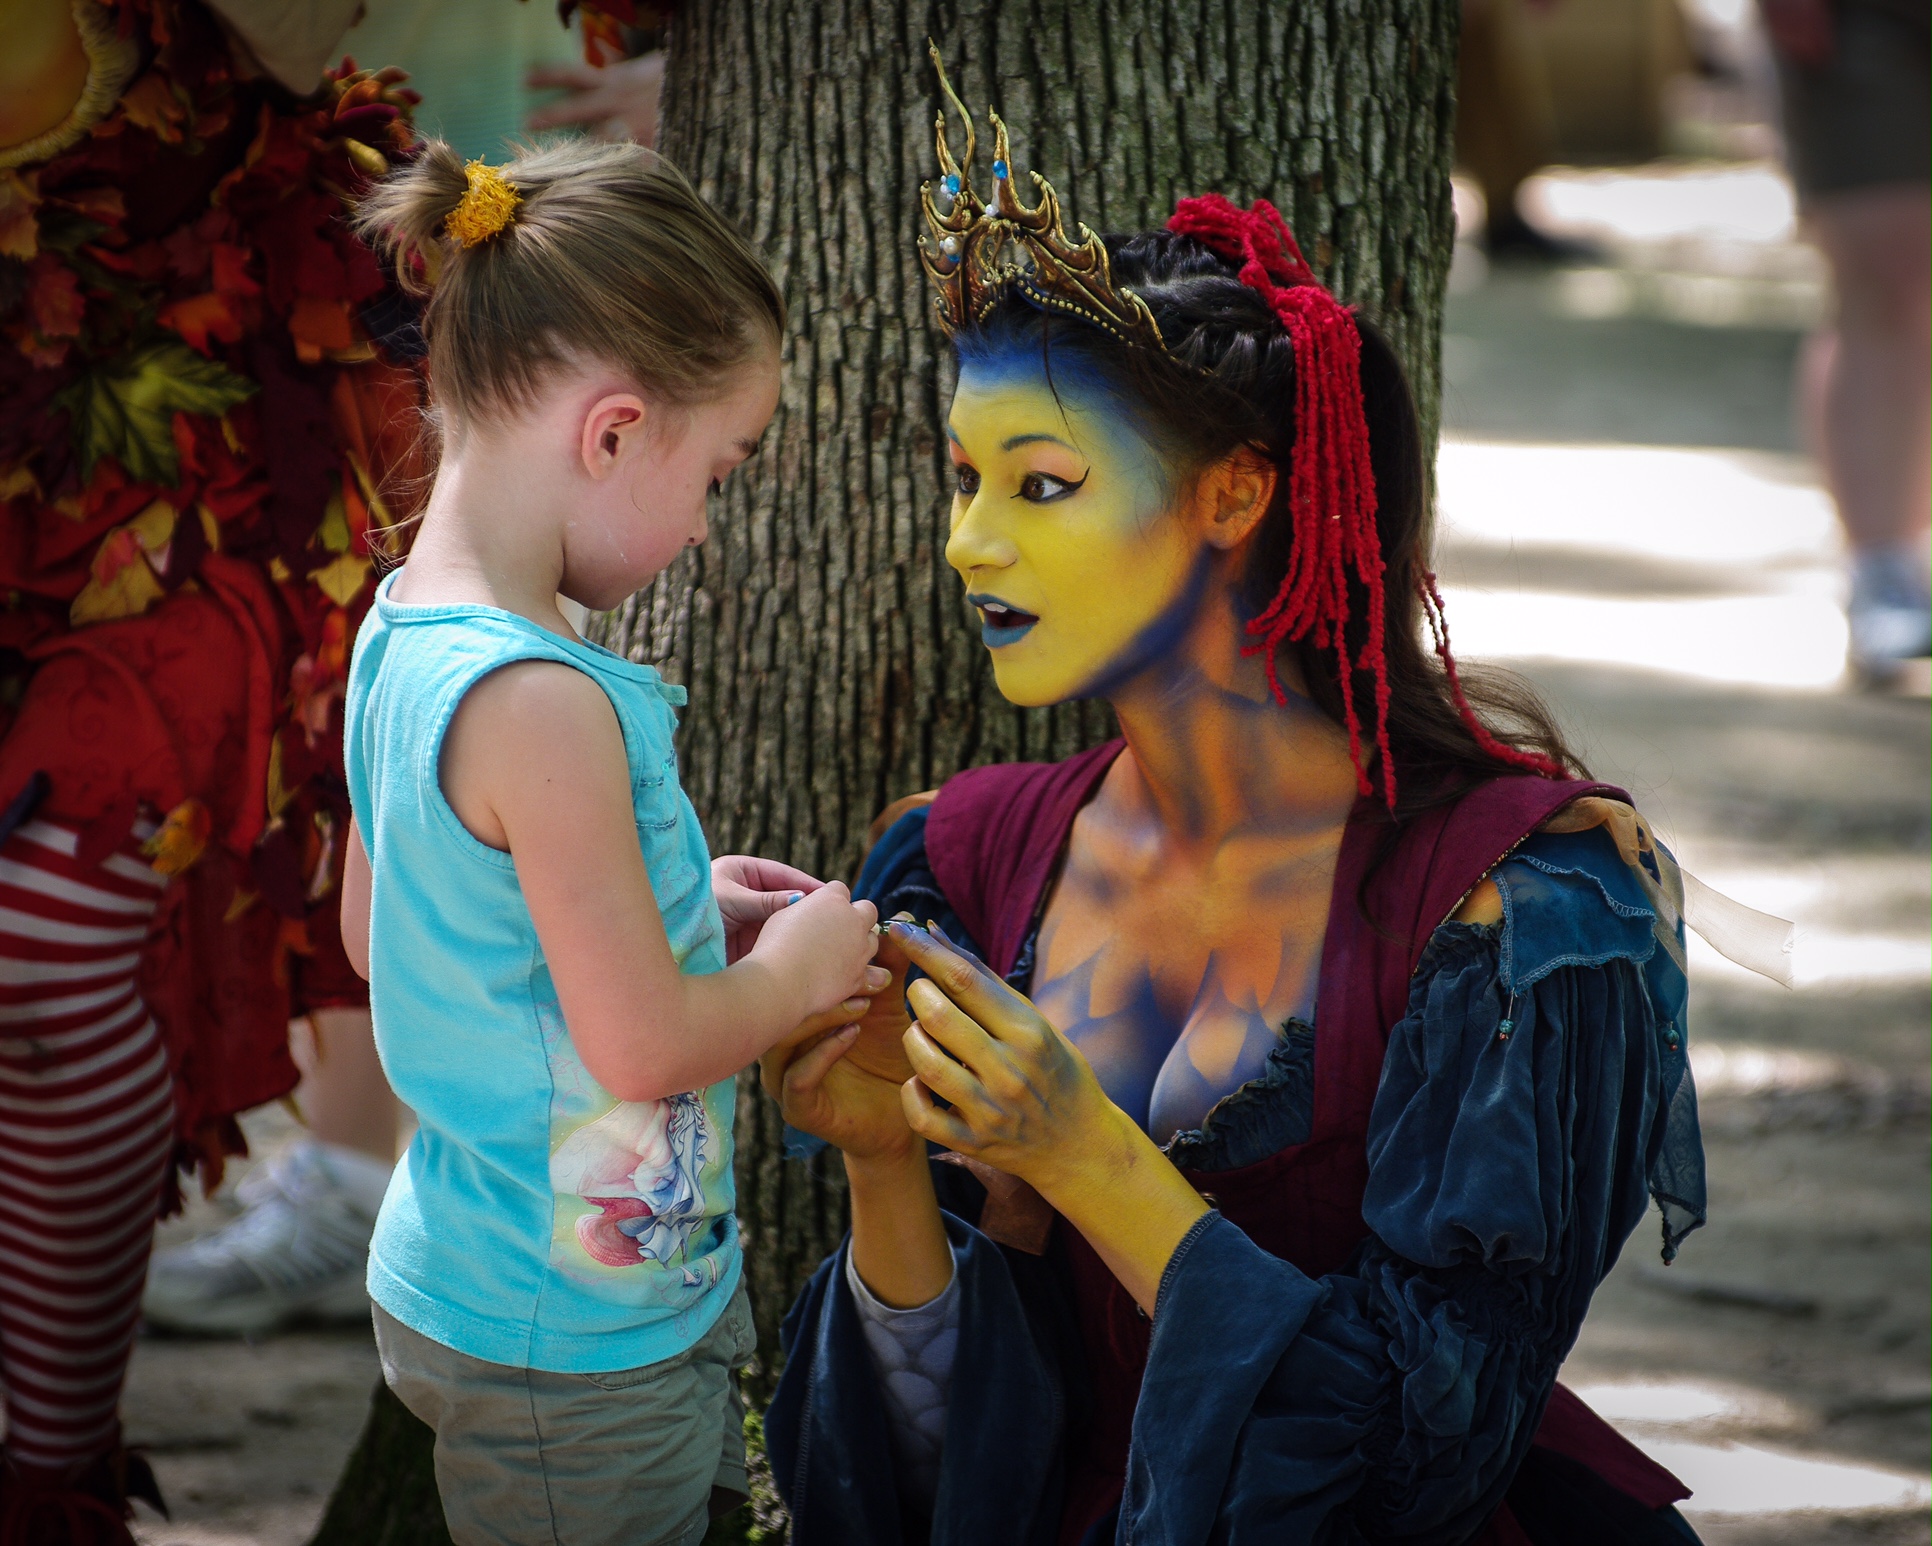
pixel 1578 82
pixel 489 72
pixel 1505 122
pixel 1853 78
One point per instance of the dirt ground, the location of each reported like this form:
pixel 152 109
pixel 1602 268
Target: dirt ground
pixel 1783 1360
pixel 1781 1365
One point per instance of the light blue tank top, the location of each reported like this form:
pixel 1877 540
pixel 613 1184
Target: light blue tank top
pixel 536 1220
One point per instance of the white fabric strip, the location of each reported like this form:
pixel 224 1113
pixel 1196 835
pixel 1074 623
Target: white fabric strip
pixel 1754 940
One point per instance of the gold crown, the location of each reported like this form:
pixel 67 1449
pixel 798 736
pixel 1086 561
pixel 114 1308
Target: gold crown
pixel 986 247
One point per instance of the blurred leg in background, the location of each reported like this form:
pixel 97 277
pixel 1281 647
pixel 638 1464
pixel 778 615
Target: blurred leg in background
pixel 299 1248
pixel 86 1141
pixel 1505 122
pixel 1854 82
pixel 139 1012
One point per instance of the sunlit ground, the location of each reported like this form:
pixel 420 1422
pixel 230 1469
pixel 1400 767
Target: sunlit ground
pixel 1744 550
pixel 1708 245
pixel 1682 1426
pixel 1729 561
pixel 1643 540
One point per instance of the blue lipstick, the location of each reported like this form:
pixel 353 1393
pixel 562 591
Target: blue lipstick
pixel 1000 622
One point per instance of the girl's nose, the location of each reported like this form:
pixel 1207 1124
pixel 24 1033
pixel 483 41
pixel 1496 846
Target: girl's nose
pixel 977 541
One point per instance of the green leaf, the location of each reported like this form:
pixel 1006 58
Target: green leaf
pixel 66 231
pixel 125 406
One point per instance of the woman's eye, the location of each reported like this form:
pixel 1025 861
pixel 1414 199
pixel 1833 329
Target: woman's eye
pixel 966 479
pixel 1042 488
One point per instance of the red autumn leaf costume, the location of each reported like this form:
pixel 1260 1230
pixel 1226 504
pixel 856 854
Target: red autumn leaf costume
pixel 199 418
pixel 197 428
pixel 209 405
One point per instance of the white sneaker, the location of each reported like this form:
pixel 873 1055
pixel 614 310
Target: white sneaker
pixel 1890 613
pixel 298 1250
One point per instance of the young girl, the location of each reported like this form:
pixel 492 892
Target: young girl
pixel 556 1267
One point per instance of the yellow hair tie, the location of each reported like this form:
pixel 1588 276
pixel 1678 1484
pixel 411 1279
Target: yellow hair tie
pixel 486 207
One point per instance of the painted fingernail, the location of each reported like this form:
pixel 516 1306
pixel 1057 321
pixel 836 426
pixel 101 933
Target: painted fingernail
pixel 796 896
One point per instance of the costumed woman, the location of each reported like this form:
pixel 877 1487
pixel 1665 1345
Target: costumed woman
pixel 205 387
pixel 1329 1043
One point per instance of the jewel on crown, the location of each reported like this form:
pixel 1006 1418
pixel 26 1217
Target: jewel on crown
pixel 982 248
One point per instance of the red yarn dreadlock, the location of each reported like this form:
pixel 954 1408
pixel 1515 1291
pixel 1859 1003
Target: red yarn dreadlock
pixel 1331 487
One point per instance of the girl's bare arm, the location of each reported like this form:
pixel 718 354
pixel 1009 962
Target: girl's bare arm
pixel 534 764
pixel 355 902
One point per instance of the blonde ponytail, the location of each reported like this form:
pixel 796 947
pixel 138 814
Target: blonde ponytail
pixel 571 251
pixel 402 216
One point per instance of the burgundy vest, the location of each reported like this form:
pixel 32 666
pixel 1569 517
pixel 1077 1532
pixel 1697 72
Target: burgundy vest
pixel 994 839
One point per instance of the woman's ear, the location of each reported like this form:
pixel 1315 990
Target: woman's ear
pixel 1233 495
pixel 613 431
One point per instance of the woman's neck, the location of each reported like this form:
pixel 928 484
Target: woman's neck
pixel 1214 755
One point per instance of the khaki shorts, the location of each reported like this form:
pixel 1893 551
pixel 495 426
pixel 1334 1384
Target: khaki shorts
pixel 1858 120
pixel 524 1457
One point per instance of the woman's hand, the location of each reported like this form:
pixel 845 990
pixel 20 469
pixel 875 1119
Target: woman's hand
pixel 881 1047
pixel 749 890
pixel 1024 1100
pixel 823 1091
pixel 838 1079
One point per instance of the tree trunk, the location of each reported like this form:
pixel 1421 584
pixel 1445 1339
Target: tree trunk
pixel 831 663
pixel 825 643
pixel 386 1495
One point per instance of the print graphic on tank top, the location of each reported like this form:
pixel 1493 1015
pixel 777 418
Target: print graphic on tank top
pixel 629 1179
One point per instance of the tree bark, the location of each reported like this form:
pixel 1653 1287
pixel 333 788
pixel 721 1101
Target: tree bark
pixel 386 1495
pixel 825 643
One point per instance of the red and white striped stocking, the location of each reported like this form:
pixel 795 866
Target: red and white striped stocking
pixel 86 1131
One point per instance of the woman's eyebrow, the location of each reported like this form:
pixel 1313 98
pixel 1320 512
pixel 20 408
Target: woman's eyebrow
pixel 1027 440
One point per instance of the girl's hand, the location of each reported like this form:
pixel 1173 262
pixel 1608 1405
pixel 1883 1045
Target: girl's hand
pixel 825 1092
pixel 1023 1098
pixel 821 948
pixel 749 890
